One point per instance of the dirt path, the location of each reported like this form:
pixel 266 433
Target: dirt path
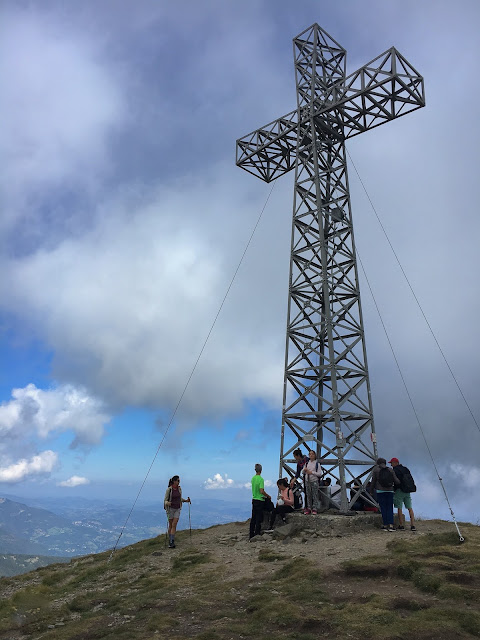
pixel 229 545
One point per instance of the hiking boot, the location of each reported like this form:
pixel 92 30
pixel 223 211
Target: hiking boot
pixel 171 545
pixel 384 528
pixel 268 531
pixel 413 528
pixel 314 512
pixel 306 512
pixel 391 528
pixel 401 527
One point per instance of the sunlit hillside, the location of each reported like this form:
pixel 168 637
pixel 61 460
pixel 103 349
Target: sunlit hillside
pixel 302 583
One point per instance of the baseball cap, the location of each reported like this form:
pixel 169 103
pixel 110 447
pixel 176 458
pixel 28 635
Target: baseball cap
pixel 393 460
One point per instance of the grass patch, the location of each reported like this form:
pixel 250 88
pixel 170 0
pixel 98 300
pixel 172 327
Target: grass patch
pixel 409 604
pixel 190 595
pixel 440 565
pixel 407 570
pixel 266 555
pixel 31 599
pixel 371 567
pixel 162 622
pixel 188 559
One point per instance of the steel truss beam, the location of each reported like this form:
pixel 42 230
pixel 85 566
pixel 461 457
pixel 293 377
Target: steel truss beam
pixel 327 402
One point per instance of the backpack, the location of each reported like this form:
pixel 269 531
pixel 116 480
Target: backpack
pixel 407 483
pixel 169 499
pixel 297 500
pixel 385 478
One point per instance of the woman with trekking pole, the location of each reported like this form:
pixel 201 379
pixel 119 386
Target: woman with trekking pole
pixel 173 504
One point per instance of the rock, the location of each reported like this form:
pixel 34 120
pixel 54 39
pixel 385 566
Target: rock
pixel 256 539
pixel 284 531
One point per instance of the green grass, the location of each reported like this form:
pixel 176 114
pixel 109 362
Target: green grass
pixel 267 555
pixel 426 588
pixel 188 559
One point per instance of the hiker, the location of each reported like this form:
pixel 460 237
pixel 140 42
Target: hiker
pixel 370 491
pixel 297 490
pixel 301 461
pixel 384 481
pixel 259 498
pixel 402 494
pixel 284 503
pixel 173 505
pixel 360 501
pixel 336 495
pixel 325 493
pixel 312 472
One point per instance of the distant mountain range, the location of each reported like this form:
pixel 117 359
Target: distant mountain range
pixel 15 564
pixel 59 528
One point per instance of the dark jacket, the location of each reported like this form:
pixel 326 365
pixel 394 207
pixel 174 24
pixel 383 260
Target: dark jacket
pixel 377 485
pixel 400 470
pixel 300 466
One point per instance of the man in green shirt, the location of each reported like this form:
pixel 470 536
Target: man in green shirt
pixel 258 501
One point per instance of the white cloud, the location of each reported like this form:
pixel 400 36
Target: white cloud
pixel 126 308
pixel 219 482
pixel 124 303
pixel 74 481
pixel 40 464
pixel 468 476
pixel 60 103
pixel 34 412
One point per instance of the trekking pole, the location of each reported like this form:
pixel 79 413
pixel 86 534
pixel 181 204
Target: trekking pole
pixel 190 521
pixel 166 530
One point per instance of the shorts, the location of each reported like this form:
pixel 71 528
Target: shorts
pixel 400 498
pixel 173 513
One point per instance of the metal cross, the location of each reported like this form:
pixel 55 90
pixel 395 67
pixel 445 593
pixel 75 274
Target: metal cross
pixel 327 403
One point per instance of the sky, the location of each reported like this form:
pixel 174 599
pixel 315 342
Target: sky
pixel 124 218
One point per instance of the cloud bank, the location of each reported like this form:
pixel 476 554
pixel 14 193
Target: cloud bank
pixel 33 416
pixel 38 465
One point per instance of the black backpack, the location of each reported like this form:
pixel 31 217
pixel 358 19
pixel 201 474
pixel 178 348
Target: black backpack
pixel 407 483
pixel 385 478
pixel 297 499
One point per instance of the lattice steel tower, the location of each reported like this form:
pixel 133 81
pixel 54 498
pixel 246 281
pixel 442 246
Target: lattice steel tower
pixel 326 399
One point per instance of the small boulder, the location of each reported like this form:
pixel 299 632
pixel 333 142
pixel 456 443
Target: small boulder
pixel 283 532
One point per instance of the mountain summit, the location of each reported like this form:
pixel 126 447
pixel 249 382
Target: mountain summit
pixel 319 578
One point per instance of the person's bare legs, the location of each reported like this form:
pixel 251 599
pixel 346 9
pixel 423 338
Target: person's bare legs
pixel 172 529
pixel 412 517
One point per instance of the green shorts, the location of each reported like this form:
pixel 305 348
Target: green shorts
pixel 401 498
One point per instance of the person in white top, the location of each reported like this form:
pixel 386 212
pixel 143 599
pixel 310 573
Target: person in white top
pixel 312 472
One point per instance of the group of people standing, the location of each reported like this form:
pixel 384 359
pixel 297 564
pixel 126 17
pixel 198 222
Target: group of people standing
pixel 388 487
pixel 393 487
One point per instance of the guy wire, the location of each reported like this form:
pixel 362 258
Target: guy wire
pixel 193 369
pixel 461 538
pixel 415 296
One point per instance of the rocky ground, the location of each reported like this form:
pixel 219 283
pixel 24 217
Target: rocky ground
pixel 326 540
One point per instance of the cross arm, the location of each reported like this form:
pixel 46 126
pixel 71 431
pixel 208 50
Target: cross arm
pixel 384 89
pixel 269 152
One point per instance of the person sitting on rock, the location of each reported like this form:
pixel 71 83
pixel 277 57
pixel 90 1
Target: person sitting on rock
pixel 361 501
pixel 284 502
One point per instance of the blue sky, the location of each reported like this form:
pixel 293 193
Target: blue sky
pixel 124 218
